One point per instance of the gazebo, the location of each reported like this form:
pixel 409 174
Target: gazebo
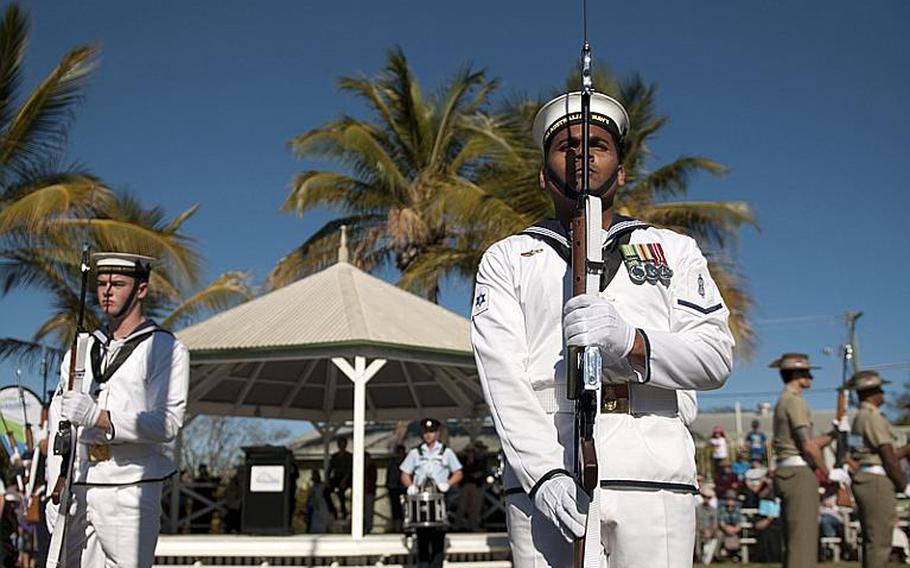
pixel 338 345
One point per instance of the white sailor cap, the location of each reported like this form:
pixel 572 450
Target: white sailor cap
pixel 566 109
pixel 130 264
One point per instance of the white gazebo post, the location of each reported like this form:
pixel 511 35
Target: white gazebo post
pixel 360 374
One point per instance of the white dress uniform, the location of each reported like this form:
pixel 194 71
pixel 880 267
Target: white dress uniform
pixel 117 478
pixel 646 455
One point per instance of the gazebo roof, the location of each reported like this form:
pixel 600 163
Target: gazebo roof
pixel 339 305
pixel 274 356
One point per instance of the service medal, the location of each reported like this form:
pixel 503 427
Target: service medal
pixel 633 263
pixel 651 273
pixel 663 267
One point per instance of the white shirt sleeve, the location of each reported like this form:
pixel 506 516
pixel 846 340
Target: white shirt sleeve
pixel 528 435
pixel 697 352
pixel 451 461
pixel 166 394
pixel 410 462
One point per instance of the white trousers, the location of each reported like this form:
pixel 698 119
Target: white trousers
pixel 114 526
pixel 639 529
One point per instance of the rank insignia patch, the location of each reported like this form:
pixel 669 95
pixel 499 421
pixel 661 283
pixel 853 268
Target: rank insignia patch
pixel 481 301
pixel 531 252
pixel 646 262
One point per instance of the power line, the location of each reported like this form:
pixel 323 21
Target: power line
pixel 796 320
pixel 895 365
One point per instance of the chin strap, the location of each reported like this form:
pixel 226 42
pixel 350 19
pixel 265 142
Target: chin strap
pixel 570 192
pixel 129 300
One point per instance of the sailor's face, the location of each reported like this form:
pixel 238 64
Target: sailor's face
pixel 430 437
pixel 565 160
pixel 114 292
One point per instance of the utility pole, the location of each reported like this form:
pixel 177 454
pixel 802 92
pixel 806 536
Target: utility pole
pixel 850 319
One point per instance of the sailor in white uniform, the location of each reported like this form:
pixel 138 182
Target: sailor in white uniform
pixel 132 403
pixel 661 326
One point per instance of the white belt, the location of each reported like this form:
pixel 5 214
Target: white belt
pixel 791 461
pixel 873 469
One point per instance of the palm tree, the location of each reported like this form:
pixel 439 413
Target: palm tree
pixel 46 210
pixel 399 173
pixel 509 197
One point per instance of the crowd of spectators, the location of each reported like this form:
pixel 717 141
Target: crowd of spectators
pixel 737 507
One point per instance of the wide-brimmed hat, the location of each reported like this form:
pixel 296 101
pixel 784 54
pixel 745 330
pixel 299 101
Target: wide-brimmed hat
pixel 792 362
pixel 866 380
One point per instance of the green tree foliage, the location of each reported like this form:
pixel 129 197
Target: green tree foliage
pixel 47 209
pixel 398 174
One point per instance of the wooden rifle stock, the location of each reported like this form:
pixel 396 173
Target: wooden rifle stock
pixel 844 496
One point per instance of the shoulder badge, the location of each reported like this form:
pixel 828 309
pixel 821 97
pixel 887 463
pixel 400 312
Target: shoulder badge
pixel 481 301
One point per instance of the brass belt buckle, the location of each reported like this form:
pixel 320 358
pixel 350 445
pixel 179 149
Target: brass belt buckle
pixel 613 402
pixel 99 452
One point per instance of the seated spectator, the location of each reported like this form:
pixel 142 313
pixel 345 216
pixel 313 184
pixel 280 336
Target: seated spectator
pixel 768 527
pixel 706 526
pixel 741 465
pixel 725 479
pixel 753 481
pixel 705 493
pixel 730 519
pixel 830 519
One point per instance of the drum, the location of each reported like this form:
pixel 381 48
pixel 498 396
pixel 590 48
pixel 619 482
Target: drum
pixel 424 510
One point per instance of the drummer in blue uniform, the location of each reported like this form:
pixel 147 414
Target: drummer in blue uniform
pixel 431 467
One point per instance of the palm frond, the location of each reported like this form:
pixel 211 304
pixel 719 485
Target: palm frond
pixel 30 353
pixel 39 126
pixel 321 249
pixel 13 37
pixel 713 223
pixel 32 205
pixel 229 289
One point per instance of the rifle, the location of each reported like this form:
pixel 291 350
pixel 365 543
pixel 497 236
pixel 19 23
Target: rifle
pixel 29 435
pixel 584 365
pixel 65 441
pixel 844 498
pixel 33 506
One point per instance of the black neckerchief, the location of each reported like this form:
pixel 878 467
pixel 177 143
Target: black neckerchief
pixel 554 234
pixel 146 329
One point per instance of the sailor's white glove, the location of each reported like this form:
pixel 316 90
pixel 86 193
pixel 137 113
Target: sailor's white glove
pixel 80 409
pixel 443 487
pixel 412 489
pixel 840 475
pixel 565 504
pixel 842 425
pixel 592 320
pixel 905 492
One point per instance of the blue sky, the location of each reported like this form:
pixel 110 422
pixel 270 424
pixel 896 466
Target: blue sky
pixel 194 102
